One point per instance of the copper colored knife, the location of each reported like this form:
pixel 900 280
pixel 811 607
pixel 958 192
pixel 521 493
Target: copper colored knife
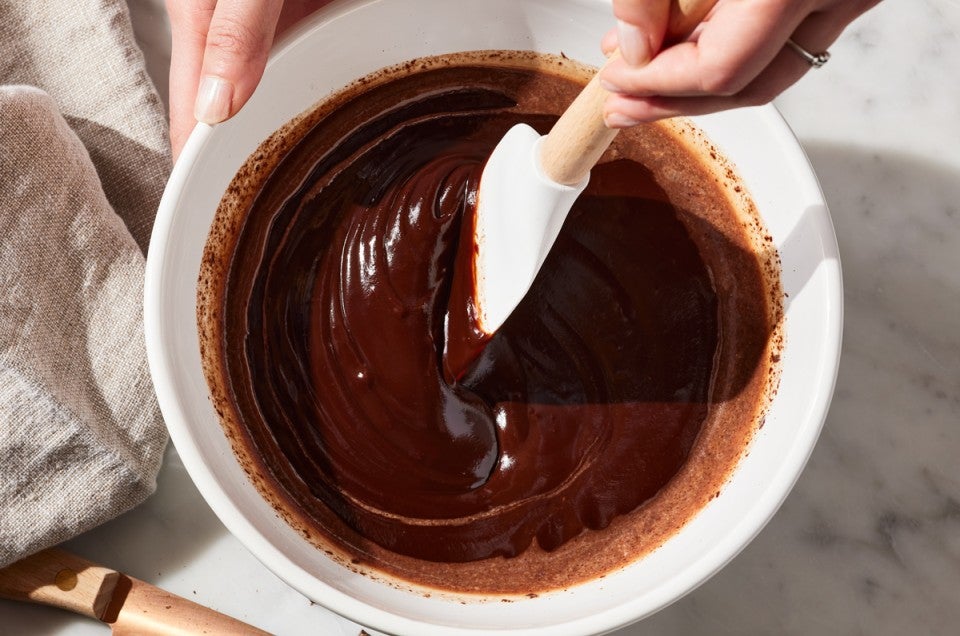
pixel 128 605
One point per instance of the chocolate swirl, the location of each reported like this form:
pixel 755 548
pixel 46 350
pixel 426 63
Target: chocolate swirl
pixel 580 409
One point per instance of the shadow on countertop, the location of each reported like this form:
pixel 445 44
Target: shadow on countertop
pixel 867 541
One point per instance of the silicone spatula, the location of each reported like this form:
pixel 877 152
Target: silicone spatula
pixel 526 190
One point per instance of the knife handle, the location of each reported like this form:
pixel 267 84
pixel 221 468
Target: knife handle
pixel 56 577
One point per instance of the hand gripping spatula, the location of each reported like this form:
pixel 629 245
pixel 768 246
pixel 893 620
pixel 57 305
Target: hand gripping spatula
pixel 526 190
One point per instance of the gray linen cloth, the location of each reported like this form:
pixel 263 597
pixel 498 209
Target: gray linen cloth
pixel 83 161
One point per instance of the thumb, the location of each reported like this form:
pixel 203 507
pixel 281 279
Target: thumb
pixel 238 42
pixel 641 25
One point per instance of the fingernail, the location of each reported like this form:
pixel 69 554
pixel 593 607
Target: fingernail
pixel 213 100
pixel 634 45
pixel 619 120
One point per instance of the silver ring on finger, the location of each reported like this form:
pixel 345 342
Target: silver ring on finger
pixel 816 60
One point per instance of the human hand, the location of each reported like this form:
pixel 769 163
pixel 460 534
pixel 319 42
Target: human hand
pixel 219 51
pixel 738 55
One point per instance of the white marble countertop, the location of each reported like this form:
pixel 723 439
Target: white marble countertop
pixel 869 540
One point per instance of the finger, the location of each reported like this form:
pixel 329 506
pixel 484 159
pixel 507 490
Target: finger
pixel 641 25
pixel 821 29
pixel 623 111
pixel 609 42
pixel 189 22
pixel 740 40
pixel 238 42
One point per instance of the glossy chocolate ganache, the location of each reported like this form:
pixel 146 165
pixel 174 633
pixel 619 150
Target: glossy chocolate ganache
pixel 607 411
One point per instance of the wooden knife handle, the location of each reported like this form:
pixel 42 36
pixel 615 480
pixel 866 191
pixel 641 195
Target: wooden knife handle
pixel 130 606
pixel 579 138
pixel 58 578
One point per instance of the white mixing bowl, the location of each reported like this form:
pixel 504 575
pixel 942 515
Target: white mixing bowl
pixel 349 39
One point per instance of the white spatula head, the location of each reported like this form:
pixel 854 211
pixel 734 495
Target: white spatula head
pixel 519 214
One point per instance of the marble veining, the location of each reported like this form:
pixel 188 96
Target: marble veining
pixel 869 540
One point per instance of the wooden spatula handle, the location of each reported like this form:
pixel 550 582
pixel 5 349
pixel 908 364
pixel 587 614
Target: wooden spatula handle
pixel 579 138
pixel 58 578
